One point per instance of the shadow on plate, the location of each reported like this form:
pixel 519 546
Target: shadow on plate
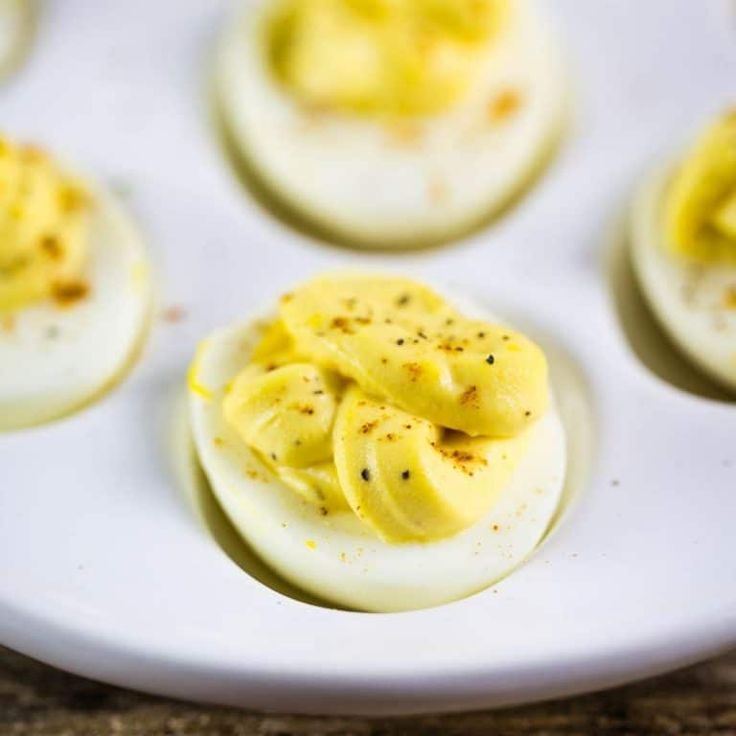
pixel 647 340
pixel 269 200
pixel 203 503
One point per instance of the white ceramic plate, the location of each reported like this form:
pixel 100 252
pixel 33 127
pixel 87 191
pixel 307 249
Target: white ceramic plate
pixel 106 571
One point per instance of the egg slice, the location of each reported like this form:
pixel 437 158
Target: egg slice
pixel 396 180
pixel 58 354
pixel 336 555
pixel 15 28
pixel 690 283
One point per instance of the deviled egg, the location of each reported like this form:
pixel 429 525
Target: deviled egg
pixel 392 122
pixel 74 288
pixel 16 20
pixel 684 249
pixel 376 447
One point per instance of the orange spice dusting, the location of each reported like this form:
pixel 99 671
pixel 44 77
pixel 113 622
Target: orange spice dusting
pixel 404 132
pixel 342 324
pixel 461 459
pixel 67 293
pixel 51 247
pixel 415 371
pixel 729 298
pixel 463 456
pixel 33 153
pixel 72 198
pixel 438 191
pixel 445 347
pixel 313 115
pixel 8 323
pixel 503 105
pixel 174 313
pixel 470 397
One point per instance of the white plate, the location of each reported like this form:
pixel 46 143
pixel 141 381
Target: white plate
pixel 105 570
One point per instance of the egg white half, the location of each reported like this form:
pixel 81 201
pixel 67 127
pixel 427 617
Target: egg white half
pixel 349 177
pixel 336 557
pixel 55 359
pixel 688 300
pixel 15 31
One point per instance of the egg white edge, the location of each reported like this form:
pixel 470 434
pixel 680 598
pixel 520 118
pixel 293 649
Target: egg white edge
pixel 665 280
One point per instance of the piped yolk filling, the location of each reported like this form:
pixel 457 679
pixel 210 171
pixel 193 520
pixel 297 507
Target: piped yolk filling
pixel 373 395
pixel 380 57
pixel 43 230
pixel 700 209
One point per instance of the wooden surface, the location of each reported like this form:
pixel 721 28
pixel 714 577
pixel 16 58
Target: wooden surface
pixel 35 699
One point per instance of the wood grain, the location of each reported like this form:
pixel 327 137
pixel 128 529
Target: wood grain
pixel 36 699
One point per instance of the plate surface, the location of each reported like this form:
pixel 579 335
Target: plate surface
pixel 107 572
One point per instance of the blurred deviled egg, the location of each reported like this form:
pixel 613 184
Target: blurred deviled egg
pixel 74 288
pixel 391 123
pixel 684 249
pixel 16 23
pixel 376 447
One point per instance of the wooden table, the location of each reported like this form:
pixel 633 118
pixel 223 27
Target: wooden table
pixel 36 699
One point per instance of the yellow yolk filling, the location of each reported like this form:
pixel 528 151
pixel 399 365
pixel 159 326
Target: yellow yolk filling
pixel 43 229
pixel 380 57
pixel 410 479
pixel 700 210
pixel 373 394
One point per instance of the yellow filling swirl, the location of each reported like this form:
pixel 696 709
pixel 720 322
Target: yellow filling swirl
pixel 700 211
pixel 380 57
pixel 43 229
pixel 373 394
